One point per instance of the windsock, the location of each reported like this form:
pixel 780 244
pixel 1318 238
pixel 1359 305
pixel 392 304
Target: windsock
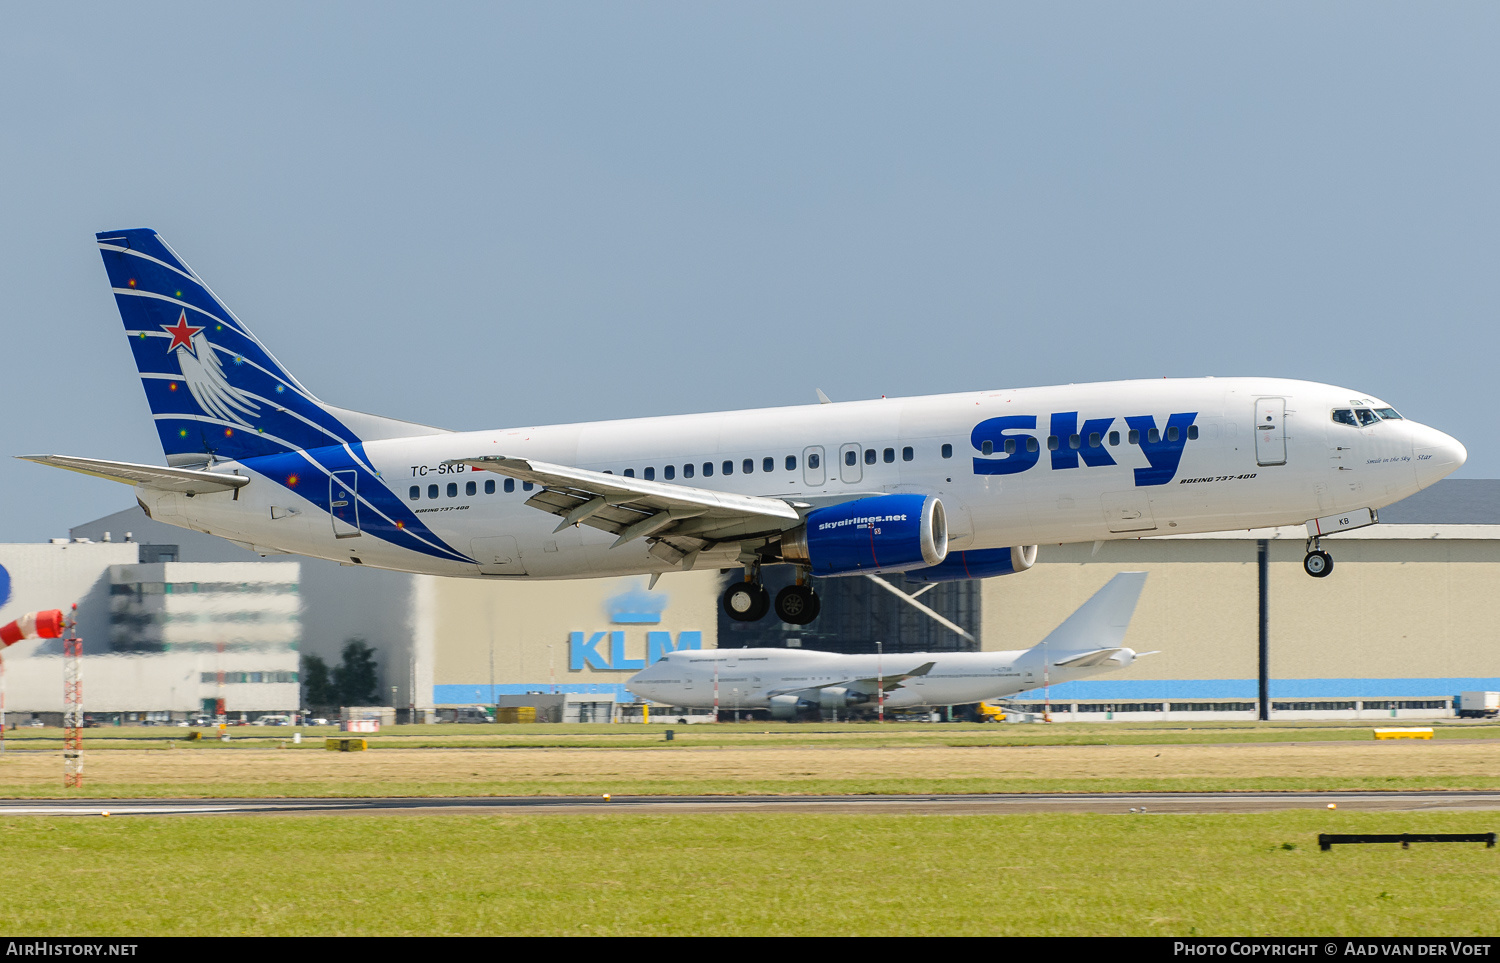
pixel 33 625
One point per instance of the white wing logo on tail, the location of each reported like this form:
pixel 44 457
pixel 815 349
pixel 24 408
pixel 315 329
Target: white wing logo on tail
pixel 204 374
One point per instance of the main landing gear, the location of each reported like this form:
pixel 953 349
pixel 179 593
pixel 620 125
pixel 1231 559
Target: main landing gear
pixel 797 604
pixel 1317 562
pixel 748 601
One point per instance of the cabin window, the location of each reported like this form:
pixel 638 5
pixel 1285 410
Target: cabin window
pixel 687 470
pixel 988 448
pixel 1192 432
pixel 431 491
pixel 1094 439
pixel 669 472
pixel 748 466
pixel 1052 443
pixel 869 456
pixel 851 458
pixel 453 489
pixel 791 462
pixel 1172 433
pixel 907 454
pixel 1032 444
pixel 888 456
pixel 1114 438
pixel 708 469
pixel 814 460
pixel 1153 436
pixel 415 493
pixel 727 468
pixel 947 451
pixel 489 486
pixel 1135 437
pixel 629 473
pixel 1074 442
pixel 1010 446
pixel 527 486
pixel 470 488
pixel 510 484
pixel 649 474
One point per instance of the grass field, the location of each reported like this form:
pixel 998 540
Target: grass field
pixel 743 759
pixel 750 875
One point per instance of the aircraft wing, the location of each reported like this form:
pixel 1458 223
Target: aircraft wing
pixel 1097 657
pixel 679 520
pixel 868 686
pixel 184 480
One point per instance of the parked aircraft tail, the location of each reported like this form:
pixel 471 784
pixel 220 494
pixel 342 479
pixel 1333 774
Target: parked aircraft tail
pixel 215 391
pixel 1099 623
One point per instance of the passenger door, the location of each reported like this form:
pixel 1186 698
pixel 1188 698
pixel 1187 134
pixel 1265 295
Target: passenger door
pixel 1270 431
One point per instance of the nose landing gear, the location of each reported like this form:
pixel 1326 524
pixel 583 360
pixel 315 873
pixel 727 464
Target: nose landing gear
pixel 1317 562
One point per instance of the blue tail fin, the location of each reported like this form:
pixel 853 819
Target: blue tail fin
pixel 215 392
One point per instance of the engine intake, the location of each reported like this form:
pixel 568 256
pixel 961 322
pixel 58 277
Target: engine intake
pixel 885 533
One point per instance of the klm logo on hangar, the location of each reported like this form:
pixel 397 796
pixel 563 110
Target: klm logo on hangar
pixel 606 650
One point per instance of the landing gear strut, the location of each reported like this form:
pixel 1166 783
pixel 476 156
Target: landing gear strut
pixel 1317 562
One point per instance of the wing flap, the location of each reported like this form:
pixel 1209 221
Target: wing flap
pixel 185 480
pixel 632 507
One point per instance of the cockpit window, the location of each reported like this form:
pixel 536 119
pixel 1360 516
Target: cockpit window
pixel 1344 416
pixel 1389 414
pixel 1365 416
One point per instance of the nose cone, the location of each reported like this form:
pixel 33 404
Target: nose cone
pixel 1437 455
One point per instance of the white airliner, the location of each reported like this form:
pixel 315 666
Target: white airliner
pixel 796 682
pixel 942 487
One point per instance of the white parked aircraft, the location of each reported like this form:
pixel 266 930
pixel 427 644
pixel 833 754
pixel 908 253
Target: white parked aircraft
pixel 796 682
pixel 942 487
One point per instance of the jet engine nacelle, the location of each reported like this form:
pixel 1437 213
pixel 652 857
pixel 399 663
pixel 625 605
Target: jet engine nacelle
pixel 884 533
pixel 786 707
pixel 835 697
pixel 983 563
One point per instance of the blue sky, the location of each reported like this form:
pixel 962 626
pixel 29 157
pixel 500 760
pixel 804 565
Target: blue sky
pixel 504 214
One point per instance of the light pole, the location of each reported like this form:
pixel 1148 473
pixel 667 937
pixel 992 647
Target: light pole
pixel 880 680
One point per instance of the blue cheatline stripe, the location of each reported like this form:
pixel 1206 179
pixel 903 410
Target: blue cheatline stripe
pixel 1201 689
pixel 483 694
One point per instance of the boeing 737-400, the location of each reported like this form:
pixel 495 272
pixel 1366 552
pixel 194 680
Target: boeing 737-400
pixel 953 486
pixel 794 683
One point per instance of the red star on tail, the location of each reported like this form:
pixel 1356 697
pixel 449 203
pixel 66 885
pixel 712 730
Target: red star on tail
pixel 182 333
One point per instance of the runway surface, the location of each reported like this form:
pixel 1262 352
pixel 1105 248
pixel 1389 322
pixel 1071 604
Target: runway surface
pixel 1206 802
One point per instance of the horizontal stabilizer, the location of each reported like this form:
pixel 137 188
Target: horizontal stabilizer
pixel 184 480
pixel 1089 659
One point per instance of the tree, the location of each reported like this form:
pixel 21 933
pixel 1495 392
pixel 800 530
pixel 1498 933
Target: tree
pixel 317 686
pixel 354 678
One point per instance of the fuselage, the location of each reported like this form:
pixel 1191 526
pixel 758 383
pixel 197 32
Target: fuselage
pixel 1013 467
pixel 750 678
